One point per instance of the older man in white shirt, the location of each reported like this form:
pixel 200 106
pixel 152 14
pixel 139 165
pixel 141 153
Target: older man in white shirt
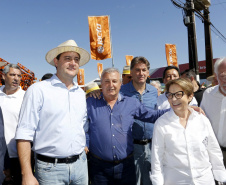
pixel 11 97
pixel 214 104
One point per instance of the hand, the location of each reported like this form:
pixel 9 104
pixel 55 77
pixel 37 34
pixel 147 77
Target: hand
pixel 86 150
pixel 29 180
pixel 95 94
pixel 198 109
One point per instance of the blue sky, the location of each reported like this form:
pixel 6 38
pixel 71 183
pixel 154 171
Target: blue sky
pixel 30 28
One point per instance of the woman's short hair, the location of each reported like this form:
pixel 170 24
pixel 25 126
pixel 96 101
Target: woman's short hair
pixel 184 84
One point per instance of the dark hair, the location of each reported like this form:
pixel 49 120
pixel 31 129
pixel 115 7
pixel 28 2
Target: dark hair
pixel 137 60
pixel 46 76
pixel 189 73
pixel 58 56
pixel 169 68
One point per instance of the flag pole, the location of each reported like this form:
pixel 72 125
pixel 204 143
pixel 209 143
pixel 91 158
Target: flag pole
pixel 111 42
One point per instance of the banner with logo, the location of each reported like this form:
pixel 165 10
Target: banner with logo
pixel 129 58
pixel 99 33
pixel 81 77
pixel 99 68
pixel 171 54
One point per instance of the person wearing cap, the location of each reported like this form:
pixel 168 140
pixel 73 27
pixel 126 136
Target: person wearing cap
pixel 213 80
pixel 11 97
pixel 53 117
pixel 126 76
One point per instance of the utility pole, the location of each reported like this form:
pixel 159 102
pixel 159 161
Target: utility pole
pixel 208 44
pixel 192 42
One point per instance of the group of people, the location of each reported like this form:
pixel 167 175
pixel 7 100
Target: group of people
pixel 131 135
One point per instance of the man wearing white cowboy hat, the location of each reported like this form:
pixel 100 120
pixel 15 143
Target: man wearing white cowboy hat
pixel 53 116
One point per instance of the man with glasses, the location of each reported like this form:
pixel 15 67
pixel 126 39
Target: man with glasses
pixel 214 104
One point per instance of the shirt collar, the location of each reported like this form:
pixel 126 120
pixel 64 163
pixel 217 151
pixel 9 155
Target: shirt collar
pixel 55 80
pixel 132 89
pixel 120 97
pixel 11 95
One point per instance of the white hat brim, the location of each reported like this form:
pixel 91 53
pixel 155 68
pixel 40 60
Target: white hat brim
pixel 84 55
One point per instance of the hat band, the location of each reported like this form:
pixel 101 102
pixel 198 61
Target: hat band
pixel 92 89
pixel 126 71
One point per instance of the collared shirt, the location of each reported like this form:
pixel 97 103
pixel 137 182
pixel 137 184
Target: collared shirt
pixel 214 105
pixel 142 130
pixel 53 117
pixel 188 155
pixel 110 135
pixel 163 103
pixel 11 105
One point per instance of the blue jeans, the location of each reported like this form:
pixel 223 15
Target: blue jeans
pixel 75 173
pixel 142 158
pixel 106 173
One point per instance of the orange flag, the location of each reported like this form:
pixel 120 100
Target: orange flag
pixel 171 54
pixel 99 33
pixel 81 77
pixel 128 59
pixel 99 68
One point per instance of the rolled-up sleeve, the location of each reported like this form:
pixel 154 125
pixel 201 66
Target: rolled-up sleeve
pixel 29 114
pixel 157 175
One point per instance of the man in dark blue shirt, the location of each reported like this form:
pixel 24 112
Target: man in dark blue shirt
pixel 2 147
pixel 142 131
pixel 109 137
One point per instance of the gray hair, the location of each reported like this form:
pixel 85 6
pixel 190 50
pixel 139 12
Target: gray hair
pixel 156 82
pixel 218 63
pixel 111 70
pixel 6 68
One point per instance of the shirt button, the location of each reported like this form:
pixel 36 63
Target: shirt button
pixel 114 156
pixel 111 113
pixel 112 124
pixel 113 146
pixel 113 135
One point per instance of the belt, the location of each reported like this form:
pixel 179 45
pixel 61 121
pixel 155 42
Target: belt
pixel 223 148
pixel 141 142
pixel 114 162
pixel 47 159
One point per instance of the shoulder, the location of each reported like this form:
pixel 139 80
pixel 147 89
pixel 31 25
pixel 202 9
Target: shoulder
pixel 150 88
pixel 211 90
pixel 125 88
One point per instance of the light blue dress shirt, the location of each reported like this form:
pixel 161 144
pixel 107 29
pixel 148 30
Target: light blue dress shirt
pixel 53 117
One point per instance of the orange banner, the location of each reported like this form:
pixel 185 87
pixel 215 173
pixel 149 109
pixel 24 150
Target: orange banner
pixel 171 54
pixel 99 33
pixel 99 68
pixel 81 77
pixel 128 59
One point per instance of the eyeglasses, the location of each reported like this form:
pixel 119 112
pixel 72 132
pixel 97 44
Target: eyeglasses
pixel 178 95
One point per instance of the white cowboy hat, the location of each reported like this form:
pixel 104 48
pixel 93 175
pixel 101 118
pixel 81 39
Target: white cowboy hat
pixel 2 64
pixel 69 45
